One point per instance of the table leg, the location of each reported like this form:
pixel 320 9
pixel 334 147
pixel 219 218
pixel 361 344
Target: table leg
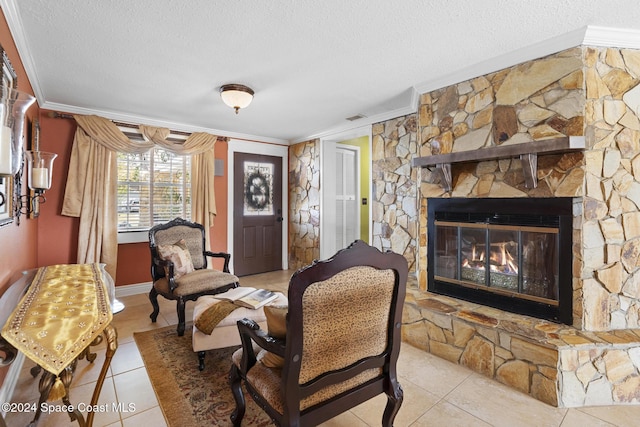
pixel 45 385
pixel 66 376
pixel 111 335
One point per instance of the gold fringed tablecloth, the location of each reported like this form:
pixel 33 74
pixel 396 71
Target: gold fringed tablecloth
pixel 64 310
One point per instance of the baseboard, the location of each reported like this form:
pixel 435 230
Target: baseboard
pixel 135 289
pixel 11 380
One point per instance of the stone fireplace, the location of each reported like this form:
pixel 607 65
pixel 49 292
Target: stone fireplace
pixel 592 355
pixel 510 254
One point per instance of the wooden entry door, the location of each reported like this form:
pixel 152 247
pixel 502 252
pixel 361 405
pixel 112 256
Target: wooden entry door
pixel 257 213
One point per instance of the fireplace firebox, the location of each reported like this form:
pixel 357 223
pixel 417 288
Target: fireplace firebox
pixel 512 254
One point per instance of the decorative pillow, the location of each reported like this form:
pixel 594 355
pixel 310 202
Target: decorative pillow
pixel 276 327
pixel 276 320
pixel 179 255
pixel 270 360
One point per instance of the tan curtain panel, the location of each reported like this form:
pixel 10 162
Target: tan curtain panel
pixel 91 190
pixel 203 200
pixel 200 146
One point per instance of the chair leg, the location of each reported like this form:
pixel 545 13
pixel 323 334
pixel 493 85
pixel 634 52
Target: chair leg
pixel 236 389
pixel 394 401
pixel 181 316
pixel 153 297
pixel 201 360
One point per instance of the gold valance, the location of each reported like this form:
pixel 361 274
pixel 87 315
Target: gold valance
pixel 64 310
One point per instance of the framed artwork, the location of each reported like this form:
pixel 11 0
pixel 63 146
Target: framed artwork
pixel 6 200
pixel 7 183
pixel 9 77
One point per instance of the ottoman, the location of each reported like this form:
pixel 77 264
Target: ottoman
pixel 225 334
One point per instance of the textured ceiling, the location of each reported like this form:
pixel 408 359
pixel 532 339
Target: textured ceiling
pixel 311 63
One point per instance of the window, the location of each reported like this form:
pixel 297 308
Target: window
pixel 153 187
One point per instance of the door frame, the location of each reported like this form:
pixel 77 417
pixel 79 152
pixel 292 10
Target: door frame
pixel 242 146
pixel 325 232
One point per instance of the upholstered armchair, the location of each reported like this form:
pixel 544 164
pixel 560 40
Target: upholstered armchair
pixel 179 267
pixel 340 343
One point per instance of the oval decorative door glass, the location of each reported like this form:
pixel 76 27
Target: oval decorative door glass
pixel 258 188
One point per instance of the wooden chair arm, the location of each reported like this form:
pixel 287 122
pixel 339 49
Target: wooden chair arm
pixel 226 256
pixel 251 332
pixel 168 267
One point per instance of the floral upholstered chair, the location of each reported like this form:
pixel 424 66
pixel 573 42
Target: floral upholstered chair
pixel 336 347
pixel 179 267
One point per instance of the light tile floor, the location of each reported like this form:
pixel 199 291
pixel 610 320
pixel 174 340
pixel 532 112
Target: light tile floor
pixel 436 392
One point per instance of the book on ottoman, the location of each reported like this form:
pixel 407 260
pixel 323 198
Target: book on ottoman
pixel 245 296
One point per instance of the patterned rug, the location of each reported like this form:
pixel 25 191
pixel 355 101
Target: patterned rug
pixel 189 397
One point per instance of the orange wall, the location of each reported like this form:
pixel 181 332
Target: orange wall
pixel 17 243
pixel 58 235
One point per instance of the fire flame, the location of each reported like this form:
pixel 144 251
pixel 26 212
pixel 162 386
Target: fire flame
pixel 500 260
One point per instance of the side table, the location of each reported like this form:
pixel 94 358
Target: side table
pixel 65 311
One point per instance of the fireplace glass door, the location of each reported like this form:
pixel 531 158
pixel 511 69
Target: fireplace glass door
pixel 519 261
pixel 513 254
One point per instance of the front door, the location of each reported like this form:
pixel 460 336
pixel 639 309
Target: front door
pixel 257 213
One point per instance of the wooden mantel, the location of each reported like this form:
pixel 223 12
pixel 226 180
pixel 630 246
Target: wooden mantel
pixel 528 153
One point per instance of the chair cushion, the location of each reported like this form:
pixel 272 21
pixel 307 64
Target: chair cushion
pixel 197 281
pixel 268 382
pixel 179 255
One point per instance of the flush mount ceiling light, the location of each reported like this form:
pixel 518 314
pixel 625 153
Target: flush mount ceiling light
pixel 236 96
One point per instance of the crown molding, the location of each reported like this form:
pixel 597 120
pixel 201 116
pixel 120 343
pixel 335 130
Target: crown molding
pixel 9 8
pixel 588 36
pixel 130 118
pixel 366 121
pixel 528 53
pixel 612 37
pixel 585 36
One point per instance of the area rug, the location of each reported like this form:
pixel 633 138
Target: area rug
pixel 189 397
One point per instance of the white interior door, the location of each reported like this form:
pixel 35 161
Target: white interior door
pixel 347 186
pixel 340 214
pixel 330 212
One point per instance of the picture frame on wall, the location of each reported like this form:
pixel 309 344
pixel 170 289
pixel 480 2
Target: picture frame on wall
pixel 9 76
pixel 9 185
pixel 6 202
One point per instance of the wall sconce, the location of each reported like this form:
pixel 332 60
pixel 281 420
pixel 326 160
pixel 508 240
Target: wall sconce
pixel 39 170
pixel 236 96
pixel 13 106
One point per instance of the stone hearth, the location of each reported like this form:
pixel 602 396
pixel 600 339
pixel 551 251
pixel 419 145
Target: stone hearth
pixel 557 364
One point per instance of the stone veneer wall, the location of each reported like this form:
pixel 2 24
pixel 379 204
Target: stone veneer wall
pixel 578 91
pixel 582 91
pixel 611 219
pixel 394 205
pixel 304 203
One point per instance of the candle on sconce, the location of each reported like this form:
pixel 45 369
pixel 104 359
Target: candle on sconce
pixel 40 178
pixel 40 164
pixel 5 151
